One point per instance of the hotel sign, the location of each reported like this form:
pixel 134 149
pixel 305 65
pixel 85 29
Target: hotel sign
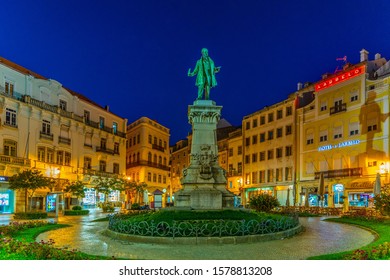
pixel 340 78
pixel 339 145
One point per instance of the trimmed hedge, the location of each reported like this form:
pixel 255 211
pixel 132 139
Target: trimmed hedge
pixel 76 212
pixel 30 215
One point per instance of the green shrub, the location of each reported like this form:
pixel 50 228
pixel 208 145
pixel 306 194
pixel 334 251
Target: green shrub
pixel 77 207
pixel 263 202
pixel 76 212
pixel 107 207
pixel 135 206
pixel 30 215
pixel 382 201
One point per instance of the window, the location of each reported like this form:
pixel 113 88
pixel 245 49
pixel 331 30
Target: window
pixel 247 141
pixel 372 127
pixel 101 122
pixel 353 128
pixel 254 157
pixel 9 88
pixel 279 114
pixel 239 167
pixel 279 152
pixel 62 105
pixel 254 139
pixel 115 168
pixel 46 127
pixel 372 163
pixel 150 139
pixel 262 120
pixel 247 178
pixel 164 179
pixel 309 139
pixel 270 175
pixel 102 166
pixel 254 123
pixel 247 159
pixel 288 151
pixel 288 129
pixel 149 177
pixel 270 135
pixel 288 111
pixel 309 168
pixel 270 117
pixel 254 177
pixel 10 117
pixel 262 176
pixel 50 156
pixel 248 125
pixel 262 137
pixel 41 154
pixel 103 143
pixel 262 156
pixel 279 132
pixel 288 174
pixel 138 139
pixel 114 127
pixel 67 158
pixel 10 148
pixel 87 116
pixel 354 96
pixel 159 179
pixel 154 177
pixel 270 154
pixel 338 132
pixel 116 148
pixel 323 136
pixel 239 151
pixel 87 163
pixel 323 106
pixel 230 152
pixel 88 139
pixel 279 174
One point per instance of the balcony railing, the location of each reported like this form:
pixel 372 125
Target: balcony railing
pixel 346 172
pixel 105 150
pixel 15 160
pixel 147 163
pixel 64 140
pixel 338 109
pixel 45 135
pixel 158 147
pixel 234 173
pixel 99 173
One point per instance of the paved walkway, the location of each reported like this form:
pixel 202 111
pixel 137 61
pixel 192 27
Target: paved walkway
pixel 319 237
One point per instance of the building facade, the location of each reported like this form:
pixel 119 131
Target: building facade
pixel 344 136
pixel 47 127
pixel 147 158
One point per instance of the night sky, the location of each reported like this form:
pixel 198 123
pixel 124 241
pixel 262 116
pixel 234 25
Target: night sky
pixel 134 55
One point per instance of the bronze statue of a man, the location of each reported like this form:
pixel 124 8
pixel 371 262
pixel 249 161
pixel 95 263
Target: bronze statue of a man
pixel 205 71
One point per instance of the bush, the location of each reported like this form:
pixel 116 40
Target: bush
pixel 107 207
pixel 135 206
pixel 382 201
pixel 77 207
pixel 76 212
pixel 263 202
pixel 30 215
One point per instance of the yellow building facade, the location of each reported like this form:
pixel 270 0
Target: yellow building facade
pixel 344 137
pixel 64 135
pixel 147 159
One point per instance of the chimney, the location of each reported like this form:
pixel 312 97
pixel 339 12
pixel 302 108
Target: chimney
pixel 107 108
pixel 299 86
pixel 377 56
pixel 363 55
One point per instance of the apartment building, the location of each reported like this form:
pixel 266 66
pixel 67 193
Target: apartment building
pixel 48 127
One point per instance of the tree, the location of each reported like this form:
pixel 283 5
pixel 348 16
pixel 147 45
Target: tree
pixel 29 181
pixel 77 188
pixel 107 185
pixel 263 202
pixel 382 201
pixel 134 189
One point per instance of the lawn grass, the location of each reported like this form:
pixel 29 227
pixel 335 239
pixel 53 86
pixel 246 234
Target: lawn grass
pixel 381 228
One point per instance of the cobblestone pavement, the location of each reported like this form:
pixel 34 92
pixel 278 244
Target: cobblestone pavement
pixel 319 237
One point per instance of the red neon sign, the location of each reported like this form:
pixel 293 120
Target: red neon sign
pixel 340 78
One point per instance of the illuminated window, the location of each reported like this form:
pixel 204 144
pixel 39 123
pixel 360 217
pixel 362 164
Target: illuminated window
pixel 247 178
pixel 101 122
pixel 50 156
pixel 288 173
pixel 67 158
pixel 114 127
pixel 279 174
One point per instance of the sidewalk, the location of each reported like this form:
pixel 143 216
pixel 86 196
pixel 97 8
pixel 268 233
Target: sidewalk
pixel 319 237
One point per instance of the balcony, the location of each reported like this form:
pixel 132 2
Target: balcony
pixel 157 147
pixel 147 163
pixel 92 172
pixel 346 172
pixel 44 135
pixel 15 160
pixel 338 109
pixel 64 140
pixel 105 150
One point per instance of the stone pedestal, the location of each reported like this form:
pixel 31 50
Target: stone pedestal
pixel 204 181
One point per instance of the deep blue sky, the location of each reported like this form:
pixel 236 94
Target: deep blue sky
pixel 134 55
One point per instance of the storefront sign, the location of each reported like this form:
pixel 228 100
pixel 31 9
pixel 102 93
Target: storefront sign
pixel 340 78
pixel 339 145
